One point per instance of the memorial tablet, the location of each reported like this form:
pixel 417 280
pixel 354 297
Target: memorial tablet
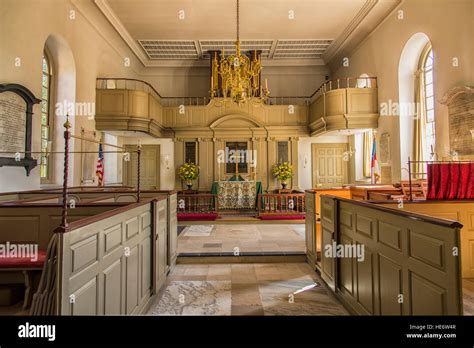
pixel 12 124
pixel 16 110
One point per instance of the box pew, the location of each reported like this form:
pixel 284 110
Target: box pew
pixel 33 223
pixel 458 210
pixel 313 217
pixel 109 194
pixel 112 263
pixel 364 192
pixel 407 268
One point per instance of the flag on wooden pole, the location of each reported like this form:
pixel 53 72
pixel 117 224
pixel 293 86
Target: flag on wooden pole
pixel 99 171
pixel 374 164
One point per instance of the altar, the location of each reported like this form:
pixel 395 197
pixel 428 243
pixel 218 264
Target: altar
pixel 237 194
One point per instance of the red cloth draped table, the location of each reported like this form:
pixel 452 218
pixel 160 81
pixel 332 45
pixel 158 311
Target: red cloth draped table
pixel 450 180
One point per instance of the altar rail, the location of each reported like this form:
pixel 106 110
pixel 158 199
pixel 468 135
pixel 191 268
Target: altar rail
pixel 281 204
pixel 197 203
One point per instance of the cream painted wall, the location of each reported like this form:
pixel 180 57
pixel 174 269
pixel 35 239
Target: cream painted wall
pixel 449 26
pixel 301 81
pixel 178 82
pixel 97 50
pixel 304 156
pixel 167 168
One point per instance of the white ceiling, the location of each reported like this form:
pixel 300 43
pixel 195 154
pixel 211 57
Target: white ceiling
pixel 177 30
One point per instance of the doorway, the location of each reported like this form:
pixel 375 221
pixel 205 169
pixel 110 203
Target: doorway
pixel 329 167
pixel 149 167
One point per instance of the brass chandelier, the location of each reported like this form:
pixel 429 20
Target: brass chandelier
pixel 239 74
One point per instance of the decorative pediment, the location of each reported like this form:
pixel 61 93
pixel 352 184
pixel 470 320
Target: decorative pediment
pixel 235 121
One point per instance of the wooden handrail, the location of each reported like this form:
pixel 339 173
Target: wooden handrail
pixel 281 203
pixel 333 84
pixel 197 203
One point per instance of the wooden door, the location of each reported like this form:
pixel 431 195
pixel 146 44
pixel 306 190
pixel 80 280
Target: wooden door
pixel 329 165
pixel 149 167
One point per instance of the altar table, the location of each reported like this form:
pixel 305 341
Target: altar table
pixel 237 194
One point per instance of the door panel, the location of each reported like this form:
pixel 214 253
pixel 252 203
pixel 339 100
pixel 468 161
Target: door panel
pixel 149 167
pixel 329 168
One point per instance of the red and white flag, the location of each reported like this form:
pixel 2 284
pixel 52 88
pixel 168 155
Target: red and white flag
pixel 374 164
pixel 99 170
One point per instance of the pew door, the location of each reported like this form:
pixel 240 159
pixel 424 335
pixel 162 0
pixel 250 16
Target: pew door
pixel 161 244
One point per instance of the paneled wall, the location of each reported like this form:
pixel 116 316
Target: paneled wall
pixel 407 266
pixel 354 108
pixel 107 265
pixel 457 211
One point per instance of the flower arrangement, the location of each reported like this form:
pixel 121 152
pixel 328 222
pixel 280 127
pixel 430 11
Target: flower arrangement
pixel 283 172
pixel 189 172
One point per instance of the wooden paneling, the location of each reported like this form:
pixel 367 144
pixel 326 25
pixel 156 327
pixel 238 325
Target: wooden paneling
pixel 310 230
pixel 407 266
pixel 112 102
pixel 108 280
pixel 458 211
pixel 349 108
pixel 362 101
pixel 36 223
pixel 161 243
pixel 336 102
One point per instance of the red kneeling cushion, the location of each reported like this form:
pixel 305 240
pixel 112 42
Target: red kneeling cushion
pixel 282 217
pixel 23 262
pixel 197 216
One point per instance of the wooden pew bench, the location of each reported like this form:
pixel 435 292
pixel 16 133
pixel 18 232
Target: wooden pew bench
pixel 30 269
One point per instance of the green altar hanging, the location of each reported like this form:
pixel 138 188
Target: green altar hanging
pixel 237 194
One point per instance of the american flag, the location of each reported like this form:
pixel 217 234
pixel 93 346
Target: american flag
pixel 99 171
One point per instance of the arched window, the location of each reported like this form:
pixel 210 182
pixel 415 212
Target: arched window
pixel 46 126
pixel 364 81
pixel 429 103
pixel 424 121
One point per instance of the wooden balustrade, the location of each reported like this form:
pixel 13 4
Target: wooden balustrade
pixel 197 203
pixel 281 203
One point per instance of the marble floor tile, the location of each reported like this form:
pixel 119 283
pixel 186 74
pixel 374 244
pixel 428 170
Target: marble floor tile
pixel 194 298
pixel 245 289
pixel 247 238
pixel 297 297
pixel 247 310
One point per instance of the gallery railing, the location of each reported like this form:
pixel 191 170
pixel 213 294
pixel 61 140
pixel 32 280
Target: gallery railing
pixel 190 203
pixel 139 85
pixel 281 203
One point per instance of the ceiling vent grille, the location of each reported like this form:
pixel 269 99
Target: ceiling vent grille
pixel 287 49
pixel 229 46
pixel 271 49
pixel 167 49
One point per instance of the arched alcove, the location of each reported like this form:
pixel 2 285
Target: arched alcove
pixel 64 100
pixel 364 81
pixel 407 68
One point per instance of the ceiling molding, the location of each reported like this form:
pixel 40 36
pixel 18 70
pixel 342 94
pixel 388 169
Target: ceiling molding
pixel 290 56
pixel 123 32
pixel 338 44
pixel 358 36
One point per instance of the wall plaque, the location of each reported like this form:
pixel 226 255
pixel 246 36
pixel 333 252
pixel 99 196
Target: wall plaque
pixel 16 111
pixel 385 156
pixel 460 102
